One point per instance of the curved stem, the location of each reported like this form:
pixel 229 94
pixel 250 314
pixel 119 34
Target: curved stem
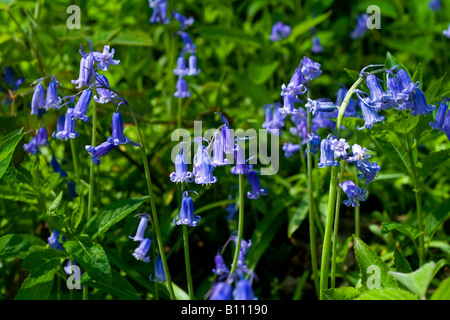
pixel 240 224
pixel 153 206
pixel 332 198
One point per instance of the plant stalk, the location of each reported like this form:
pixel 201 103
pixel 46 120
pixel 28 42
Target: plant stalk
pixel 240 224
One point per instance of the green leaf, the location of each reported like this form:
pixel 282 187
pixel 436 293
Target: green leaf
pixel 112 214
pixel 306 26
pixel 411 231
pixel 299 215
pixel 41 260
pixel 259 72
pixel 132 38
pixel 24 196
pixel 393 61
pixel 401 264
pixel 418 280
pixel 437 217
pixel 119 286
pixel 55 214
pixel 443 291
pixel 387 294
pixel 371 266
pixel 78 213
pixel 432 92
pixel 344 293
pixel 37 288
pixel 16 245
pixel 90 255
pixel 8 144
pixel 403 123
pixel 433 161
pixel 228 33
pixel 417 76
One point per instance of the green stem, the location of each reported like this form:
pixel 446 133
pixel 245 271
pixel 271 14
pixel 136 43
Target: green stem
pixel 188 262
pixel 91 168
pixel 153 206
pixel 312 228
pixel 357 208
pixel 240 224
pixel 421 251
pixel 75 162
pixel 336 227
pixel 332 198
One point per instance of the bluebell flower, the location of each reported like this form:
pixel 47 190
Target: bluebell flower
pixel 52 100
pixel 38 100
pixel 220 266
pixel 86 70
pixel 241 166
pixel 316 106
pixel 301 126
pixel 11 80
pixel 440 118
pixel 221 291
pixel 446 126
pixel 420 105
pixel 228 139
pixel 368 170
pixel 359 154
pixel 317 47
pixel 40 139
pixel 245 246
pixel 117 137
pixel 193 70
pixel 447 32
pixel 181 173
pixel 394 90
pixel 159 14
pixel 184 22
pixel 290 149
pixel 378 98
pixel 339 147
pixel 361 26
pixel 353 193
pixel 141 252
pixel 189 46
pixel 186 215
pixel 97 152
pixel 105 58
pixel 274 120
pixel 182 90
pixel 243 290
pixel 408 87
pixel 291 91
pixel 279 31
pixel 68 268
pixel 104 95
pixel 218 151
pixel 435 5
pixel 81 107
pixel 160 275
pixel 57 167
pixel 54 240
pixel 310 69
pixel 140 232
pixel 68 131
pixel 254 182
pixel 203 167
pixel 314 143
pixel 370 116
pixel 181 69
pixel 327 154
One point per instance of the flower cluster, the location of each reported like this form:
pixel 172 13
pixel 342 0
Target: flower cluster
pixel 222 288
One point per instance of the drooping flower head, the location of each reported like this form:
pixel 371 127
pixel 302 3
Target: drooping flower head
pixel 218 151
pixel 243 290
pixel 97 152
pixel 159 14
pixel 370 116
pixel 274 119
pixel 193 70
pixel 182 90
pixel 54 240
pixel 327 154
pixel 361 26
pixel 40 139
pixel 420 104
pixel 353 193
pixel 186 215
pixel 310 69
pixel 160 275
pixel 86 69
pixel 241 166
pixel 317 47
pixel 189 46
pixel 181 69
pixel 57 167
pixel 52 100
pixel 368 170
pixel 221 291
pixel 203 167
pixel 141 252
pixel 316 106
pixel 81 107
pixel 290 149
pixel 140 232
pixel 257 190
pixel 314 143
pixel 38 100
pixel 117 136
pixel 440 117
pixel 65 128
pixel 220 266
pixel 358 154
pixel 184 22
pixel 104 95
pixel 181 173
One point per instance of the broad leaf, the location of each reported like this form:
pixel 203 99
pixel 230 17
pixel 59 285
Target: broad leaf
pixel 443 291
pixel 409 230
pixel 344 293
pixel 387 294
pixel 8 144
pixel 437 217
pixel 401 264
pixel 16 245
pixel 418 280
pixel 298 216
